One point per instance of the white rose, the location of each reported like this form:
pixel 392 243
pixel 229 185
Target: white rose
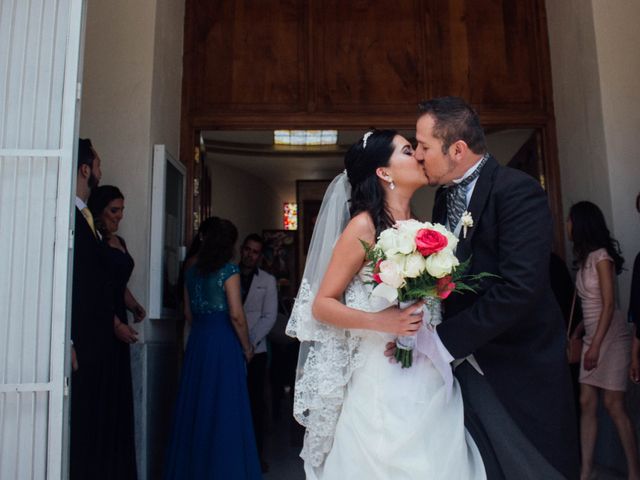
pixel 383 290
pixel 388 241
pixel 406 242
pixel 391 241
pixel 414 265
pixel 391 274
pixel 451 238
pixel 442 263
pixel 398 259
pixel 410 226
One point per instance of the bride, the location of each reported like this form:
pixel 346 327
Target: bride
pixel 367 418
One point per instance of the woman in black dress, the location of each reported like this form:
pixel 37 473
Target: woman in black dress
pixel 107 206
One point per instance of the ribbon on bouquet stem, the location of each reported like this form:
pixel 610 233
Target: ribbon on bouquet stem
pixel 428 344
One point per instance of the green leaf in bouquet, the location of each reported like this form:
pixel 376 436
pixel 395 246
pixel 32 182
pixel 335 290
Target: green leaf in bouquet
pixel 371 252
pixel 462 287
pixel 462 269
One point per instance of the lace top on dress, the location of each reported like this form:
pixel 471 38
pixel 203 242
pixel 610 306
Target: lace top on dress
pixel 206 292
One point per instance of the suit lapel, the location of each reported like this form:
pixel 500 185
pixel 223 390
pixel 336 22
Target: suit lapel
pixel 478 201
pixel 440 207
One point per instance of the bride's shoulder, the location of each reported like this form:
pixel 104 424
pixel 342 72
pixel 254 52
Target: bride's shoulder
pixel 361 226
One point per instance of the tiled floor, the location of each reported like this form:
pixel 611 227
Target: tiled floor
pixel 282 446
pixel 604 474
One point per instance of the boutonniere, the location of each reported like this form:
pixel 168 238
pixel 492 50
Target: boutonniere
pixel 467 222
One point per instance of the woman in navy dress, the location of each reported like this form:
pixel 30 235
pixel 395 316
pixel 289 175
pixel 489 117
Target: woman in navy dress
pixel 212 432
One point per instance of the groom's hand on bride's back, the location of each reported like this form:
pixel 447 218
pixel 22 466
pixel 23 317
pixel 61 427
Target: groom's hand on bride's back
pixel 400 322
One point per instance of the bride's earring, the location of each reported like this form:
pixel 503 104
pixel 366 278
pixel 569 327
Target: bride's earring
pixel 391 184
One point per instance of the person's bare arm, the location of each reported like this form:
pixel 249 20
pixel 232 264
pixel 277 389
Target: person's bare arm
pixel 347 260
pixel 133 306
pixel 236 313
pixel 605 279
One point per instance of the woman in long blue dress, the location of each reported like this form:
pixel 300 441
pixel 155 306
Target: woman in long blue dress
pixel 212 433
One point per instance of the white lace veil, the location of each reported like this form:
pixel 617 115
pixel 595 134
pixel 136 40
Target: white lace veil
pixel 328 355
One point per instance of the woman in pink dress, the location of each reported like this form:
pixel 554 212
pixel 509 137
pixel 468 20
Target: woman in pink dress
pixel 606 353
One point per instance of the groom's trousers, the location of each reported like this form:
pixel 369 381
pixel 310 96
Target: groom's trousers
pixel 506 453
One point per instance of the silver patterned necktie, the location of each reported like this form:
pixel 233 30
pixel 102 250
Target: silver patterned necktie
pixel 457 196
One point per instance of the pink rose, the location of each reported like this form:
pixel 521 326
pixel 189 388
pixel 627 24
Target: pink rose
pixel 429 241
pixel 444 287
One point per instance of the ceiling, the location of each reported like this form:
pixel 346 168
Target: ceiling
pixel 280 166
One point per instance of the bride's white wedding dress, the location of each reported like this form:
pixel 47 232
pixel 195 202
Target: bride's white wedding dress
pixel 366 418
pixel 394 424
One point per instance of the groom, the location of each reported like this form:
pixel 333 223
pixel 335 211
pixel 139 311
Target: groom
pixel 518 407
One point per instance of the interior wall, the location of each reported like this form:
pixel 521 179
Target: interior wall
pixel 246 200
pixel 595 69
pixel 166 89
pixel 116 108
pixel 576 86
pixel 617 53
pixel 130 101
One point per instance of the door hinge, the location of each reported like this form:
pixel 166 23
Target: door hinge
pixel 71 238
pixel 66 386
pixel 78 91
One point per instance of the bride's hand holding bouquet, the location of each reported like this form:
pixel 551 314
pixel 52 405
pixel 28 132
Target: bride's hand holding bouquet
pixel 415 261
pixel 405 323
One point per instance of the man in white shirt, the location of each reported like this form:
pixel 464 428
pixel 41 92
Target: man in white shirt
pixel 260 297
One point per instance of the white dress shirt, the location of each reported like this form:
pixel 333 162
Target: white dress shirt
pixel 80 203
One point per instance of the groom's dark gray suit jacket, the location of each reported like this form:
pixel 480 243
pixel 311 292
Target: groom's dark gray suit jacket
pixel 513 326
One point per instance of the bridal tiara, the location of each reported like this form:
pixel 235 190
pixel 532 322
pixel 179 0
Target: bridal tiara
pixel 365 137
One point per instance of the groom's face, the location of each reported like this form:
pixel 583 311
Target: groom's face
pixel 439 166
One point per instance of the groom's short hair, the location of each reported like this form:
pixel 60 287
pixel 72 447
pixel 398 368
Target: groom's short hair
pixel 454 120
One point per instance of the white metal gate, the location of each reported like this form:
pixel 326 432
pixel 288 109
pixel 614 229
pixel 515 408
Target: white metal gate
pixel 39 63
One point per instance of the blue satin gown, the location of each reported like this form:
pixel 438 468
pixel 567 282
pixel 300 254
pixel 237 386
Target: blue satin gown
pixel 212 434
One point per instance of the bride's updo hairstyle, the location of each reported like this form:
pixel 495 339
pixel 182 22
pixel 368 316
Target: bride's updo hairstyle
pixel 372 151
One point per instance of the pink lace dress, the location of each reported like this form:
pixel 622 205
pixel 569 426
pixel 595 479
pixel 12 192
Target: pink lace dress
pixel 615 353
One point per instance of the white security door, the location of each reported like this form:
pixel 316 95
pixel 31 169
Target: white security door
pixel 39 64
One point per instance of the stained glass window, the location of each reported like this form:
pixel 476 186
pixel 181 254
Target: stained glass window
pixel 290 216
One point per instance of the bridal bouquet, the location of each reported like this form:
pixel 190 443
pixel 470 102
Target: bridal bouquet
pixel 414 260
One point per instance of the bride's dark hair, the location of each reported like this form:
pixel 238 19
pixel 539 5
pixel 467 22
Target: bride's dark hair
pixel 361 162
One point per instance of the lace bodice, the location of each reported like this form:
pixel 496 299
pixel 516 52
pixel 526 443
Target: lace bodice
pixel 206 292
